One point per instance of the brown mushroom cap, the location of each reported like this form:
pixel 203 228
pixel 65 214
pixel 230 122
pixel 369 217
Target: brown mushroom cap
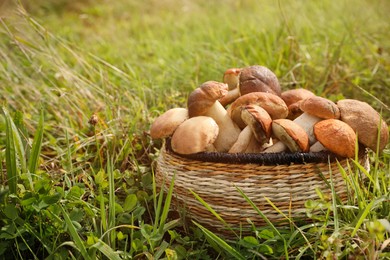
pixel 291 134
pixel 258 79
pixel 337 136
pixel 194 135
pixel 271 103
pixel 164 125
pixel 203 97
pixel 365 121
pixel 320 107
pixel 294 110
pixel 232 77
pixel 292 96
pixel 259 121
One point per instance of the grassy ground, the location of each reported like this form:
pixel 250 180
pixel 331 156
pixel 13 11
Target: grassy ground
pixel 122 63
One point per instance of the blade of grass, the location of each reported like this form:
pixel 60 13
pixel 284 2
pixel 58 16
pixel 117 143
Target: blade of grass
pixel 212 211
pixel 265 218
pixel 111 200
pixel 220 242
pixel 10 153
pixel 36 146
pixel 106 250
pixel 76 238
pixel 167 204
pixel 363 214
pixel 157 203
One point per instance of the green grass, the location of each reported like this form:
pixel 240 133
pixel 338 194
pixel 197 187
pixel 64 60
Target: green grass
pixel 71 186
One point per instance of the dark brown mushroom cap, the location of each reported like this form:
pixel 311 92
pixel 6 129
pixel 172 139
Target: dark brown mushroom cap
pixel 194 135
pixel 203 97
pixel 337 136
pixel 365 121
pixel 258 79
pixel 320 107
pixel 292 96
pixel 291 134
pixel 259 121
pixel 271 103
pixel 164 125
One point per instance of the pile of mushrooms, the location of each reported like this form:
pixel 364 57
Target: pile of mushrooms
pixel 248 113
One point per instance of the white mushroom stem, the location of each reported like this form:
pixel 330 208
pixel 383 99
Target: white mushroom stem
pixel 210 148
pixel 255 147
pixel 230 97
pixel 243 140
pixel 307 122
pixel 276 148
pixel 228 130
pixel 317 147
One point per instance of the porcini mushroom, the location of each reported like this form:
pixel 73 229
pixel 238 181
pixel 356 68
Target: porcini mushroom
pixel 196 134
pixel 291 135
pixel 258 123
pixel 231 77
pixel 366 122
pixel 314 110
pixel 337 136
pixel 165 124
pixel 320 107
pixel 203 101
pixel 292 96
pixel 271 103
pixel 258 78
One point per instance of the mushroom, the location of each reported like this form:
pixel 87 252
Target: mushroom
pixel 257 119
pixel 165 124
pixel 320 107
pixel 292 96
pixel 366 122
pixel 307 121
pixel 243 140
pixel 258 78
pixel 294 110
pixel 337 136
pixel 271 103
pixel 203 101
pixel 231 77
pixel 258 125
pixel 196 134
pixel 314 110
pixel 317 147
pixel 290 134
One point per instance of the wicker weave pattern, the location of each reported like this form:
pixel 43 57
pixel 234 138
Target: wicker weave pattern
pixel 288 187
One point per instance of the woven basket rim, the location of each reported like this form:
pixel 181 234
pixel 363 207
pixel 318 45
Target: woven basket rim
pixel 266 159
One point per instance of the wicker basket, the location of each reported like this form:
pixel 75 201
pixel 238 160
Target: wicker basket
pixel 287 180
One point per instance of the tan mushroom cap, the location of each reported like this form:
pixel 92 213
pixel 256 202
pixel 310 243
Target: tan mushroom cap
pixel 292 96
pixel 203 97
pixel 337 136
pixel 232 77
pixel 291 134
pixel 365 121
pixel 320 107
pixel 194 135
pixel 271 103
pixel 259 121
pixel 258 78
pixel 165 124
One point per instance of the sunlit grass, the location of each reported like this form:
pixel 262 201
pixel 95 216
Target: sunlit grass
pixel 81 83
